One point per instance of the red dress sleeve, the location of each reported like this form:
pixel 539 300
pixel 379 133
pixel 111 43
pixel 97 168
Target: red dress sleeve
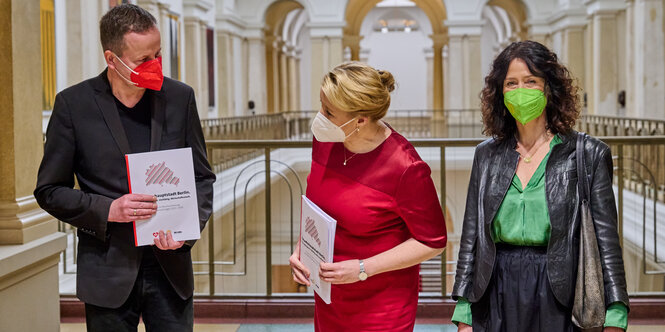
pixel 418 204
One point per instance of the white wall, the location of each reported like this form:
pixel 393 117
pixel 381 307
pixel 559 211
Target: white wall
pixel 401 53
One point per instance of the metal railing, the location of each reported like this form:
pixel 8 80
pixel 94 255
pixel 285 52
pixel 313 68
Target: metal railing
pixel 639 167
pixel 272 172
pixel 603 125
pixel 463 123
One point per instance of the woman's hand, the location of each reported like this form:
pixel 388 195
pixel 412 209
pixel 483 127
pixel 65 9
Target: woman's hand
pixel 298 270
pixel 612 329
pixel 461 327
pixel 344 272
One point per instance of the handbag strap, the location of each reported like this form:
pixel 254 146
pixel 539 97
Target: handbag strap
pixel 582 180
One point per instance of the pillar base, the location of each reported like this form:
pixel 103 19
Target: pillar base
pixel 22 221
pixel 29 279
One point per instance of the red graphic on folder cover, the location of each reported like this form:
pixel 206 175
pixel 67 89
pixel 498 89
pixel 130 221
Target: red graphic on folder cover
pixel 160 174
pixel 310 228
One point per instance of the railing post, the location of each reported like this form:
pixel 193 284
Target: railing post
pixel 268 228
pixel 211 240
pixel 442 171
pixel 620 188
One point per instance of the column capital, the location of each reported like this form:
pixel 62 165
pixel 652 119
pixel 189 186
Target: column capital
pixel 231 24
pixel 352 39
pixel 464 27
pixel 539 27
pixel 604 7
pixel 438 40
pixel 194 7
pixel 326 29
pixel 164 6
pixel 568 19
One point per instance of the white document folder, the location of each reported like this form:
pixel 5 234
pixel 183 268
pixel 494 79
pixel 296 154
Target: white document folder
pixel 169 175
pixel 317 243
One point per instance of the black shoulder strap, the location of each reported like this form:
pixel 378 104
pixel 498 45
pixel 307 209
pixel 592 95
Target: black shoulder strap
pixel 582 180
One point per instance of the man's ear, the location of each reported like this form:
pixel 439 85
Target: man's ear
pixel 108 57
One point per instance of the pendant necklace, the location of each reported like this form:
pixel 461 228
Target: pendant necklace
pixel 347 159
pixel 527 159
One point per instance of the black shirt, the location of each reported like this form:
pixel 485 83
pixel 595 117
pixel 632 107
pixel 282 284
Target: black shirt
pixel 136 121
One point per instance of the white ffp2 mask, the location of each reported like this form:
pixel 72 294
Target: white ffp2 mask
pixel 326 131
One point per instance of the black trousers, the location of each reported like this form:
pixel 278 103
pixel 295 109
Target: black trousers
pixel 519 297
pixel 152 298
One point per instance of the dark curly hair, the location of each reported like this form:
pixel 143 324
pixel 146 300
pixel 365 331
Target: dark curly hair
pixel 560 89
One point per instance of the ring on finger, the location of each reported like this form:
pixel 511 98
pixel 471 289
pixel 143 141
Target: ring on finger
pixel 134 211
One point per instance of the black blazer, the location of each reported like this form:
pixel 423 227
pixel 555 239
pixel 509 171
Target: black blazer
pixel 85 138
pixel 494 166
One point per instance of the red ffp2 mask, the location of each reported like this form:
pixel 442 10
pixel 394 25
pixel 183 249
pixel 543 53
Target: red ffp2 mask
pixel 147 75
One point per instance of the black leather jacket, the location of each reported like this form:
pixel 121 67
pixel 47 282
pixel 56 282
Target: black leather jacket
pixel 494 166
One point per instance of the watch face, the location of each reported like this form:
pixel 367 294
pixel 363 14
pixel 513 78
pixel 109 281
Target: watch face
pixel 362 276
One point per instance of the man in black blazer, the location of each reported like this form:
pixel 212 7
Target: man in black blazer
pixel 128 108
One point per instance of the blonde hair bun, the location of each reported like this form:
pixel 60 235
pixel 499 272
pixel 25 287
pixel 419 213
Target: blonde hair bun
pixel 387 79
pixel 356 87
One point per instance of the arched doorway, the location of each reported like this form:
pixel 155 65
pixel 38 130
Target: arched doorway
pixel 357 10
pixel 282 21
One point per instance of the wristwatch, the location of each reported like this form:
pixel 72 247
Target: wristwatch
pixel 362 275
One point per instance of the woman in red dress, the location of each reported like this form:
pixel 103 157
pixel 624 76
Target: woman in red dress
pixel 373 182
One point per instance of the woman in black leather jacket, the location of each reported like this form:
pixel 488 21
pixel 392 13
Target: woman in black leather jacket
pixel 520 239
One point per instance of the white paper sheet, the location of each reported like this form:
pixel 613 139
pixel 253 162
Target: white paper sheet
pixel 317 244
pixel 169 175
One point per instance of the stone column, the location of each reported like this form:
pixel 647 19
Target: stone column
pixel 204 97
pixel 272 72
pixel 256 75
pixel 293 86
pixel 283 79
pixel 429 56
pixel 602 98
pixel 648 54
pixel 85 58
pixel 353 42
pixel 30 245
pixel 464 57
pixel 196 64
pixel 163 24
pixel 225 71
pixel 571 23
pixel 541 32
pixel 193 48
pixel 437 70
pixel 298 91
pixel 327 52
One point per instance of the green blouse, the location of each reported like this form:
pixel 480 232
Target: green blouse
pixel 523 219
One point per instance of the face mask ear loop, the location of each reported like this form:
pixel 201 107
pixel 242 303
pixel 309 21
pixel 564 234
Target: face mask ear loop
pixel 123 77
pixel 123 63
pixel 353 132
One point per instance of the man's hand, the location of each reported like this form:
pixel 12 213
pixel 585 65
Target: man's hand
pixel 345 272
pixel 132 207
pixel 166 242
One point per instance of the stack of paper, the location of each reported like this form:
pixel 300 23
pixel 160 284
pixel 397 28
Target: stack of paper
pixel 317 243
pixel 169 175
